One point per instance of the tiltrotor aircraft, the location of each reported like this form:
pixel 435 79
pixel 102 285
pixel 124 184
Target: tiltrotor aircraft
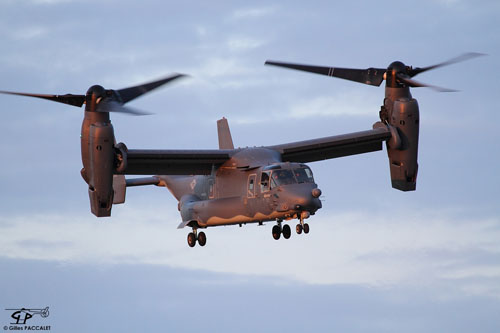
pixel 228 186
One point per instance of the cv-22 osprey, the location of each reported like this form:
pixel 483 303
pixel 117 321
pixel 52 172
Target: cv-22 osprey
pixel 229 186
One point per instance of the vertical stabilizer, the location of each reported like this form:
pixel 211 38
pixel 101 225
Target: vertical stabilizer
pixel 225 140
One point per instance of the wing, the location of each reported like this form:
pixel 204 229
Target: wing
pixel 334 146
pixel 203 162
pixel 174 162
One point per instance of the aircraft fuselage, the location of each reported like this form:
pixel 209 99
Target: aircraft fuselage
pixel 253 186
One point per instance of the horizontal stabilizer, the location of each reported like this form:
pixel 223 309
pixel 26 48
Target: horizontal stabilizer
pixel 120 185
pixel 119 188
pixel 143 181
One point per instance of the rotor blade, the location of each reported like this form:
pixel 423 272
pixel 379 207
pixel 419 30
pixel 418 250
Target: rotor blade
pixel 371 76
pixel 108 105
pixel 128 94
pixel 75 100
pixel 463 57
pixel 413 83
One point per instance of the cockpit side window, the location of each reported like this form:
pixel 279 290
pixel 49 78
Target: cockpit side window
pixel 264 182
pixel 303 175
pixel 309 174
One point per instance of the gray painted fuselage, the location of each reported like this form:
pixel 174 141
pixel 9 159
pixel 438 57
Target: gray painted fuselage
pixel 240 191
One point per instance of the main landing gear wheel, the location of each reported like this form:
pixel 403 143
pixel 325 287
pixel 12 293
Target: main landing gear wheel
pixel 306 228
pixel 287 232
pixel 191 239
pixel 298 229
pixel 276 232
pixel 202 239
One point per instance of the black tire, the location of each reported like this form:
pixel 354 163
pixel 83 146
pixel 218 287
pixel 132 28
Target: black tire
pixel 191 239
pixel 276 232
pixel 202 239
pixel 298 229
pixel 287 232
pixel 306 228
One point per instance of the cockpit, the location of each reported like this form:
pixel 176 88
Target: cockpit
pixel 284 174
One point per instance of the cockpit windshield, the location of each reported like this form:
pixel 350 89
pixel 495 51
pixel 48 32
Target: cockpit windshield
pixel 281 177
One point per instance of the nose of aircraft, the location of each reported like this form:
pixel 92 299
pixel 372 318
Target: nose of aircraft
pixel 303 198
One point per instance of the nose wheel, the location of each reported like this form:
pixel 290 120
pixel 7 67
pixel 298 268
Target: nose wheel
pixel 302 226
pixel 194 237
pixel 299 228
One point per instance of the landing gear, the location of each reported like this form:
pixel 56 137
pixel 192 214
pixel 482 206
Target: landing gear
pixel 194 236
pixel 202 239
pixel 191 239
pixel 276 232
pixel 287 232
pixel 302 226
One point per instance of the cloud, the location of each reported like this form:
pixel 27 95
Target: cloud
pixel 223 73
pixel 346 248
pixel 31 32
pixel 222 67
pixel 351 103
pixel 450 3
pixel 50 2
pixel 240 44
pixel 252 13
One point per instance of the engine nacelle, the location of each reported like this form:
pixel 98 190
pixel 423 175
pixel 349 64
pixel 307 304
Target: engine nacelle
pixel 403 155
pixel 100 167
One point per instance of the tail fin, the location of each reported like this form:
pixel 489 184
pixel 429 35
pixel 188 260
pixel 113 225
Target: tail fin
pixel 225 140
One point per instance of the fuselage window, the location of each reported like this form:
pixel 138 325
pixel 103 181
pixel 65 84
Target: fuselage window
pixel 251 186
pixel 264 182
pixel 211 189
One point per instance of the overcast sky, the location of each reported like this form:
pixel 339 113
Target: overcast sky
pixel 376 259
